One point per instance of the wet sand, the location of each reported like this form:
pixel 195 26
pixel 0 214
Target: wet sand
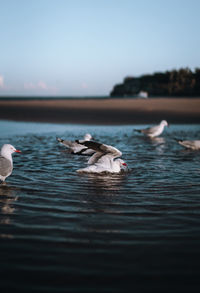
pixel 103 111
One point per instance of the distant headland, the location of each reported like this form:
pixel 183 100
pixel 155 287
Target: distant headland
pixel 176 83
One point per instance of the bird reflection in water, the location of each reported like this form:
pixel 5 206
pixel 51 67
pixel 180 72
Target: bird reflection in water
pixel 158 143
pixel 7 199
pixel 157 140
pixel 101 202
pixel 102 191
pixel 105 182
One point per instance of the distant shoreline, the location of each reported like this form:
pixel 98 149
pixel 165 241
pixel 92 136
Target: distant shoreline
pixel 104 111
pixel 51 98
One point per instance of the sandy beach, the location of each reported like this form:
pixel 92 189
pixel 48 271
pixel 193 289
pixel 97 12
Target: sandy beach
pixel 102 111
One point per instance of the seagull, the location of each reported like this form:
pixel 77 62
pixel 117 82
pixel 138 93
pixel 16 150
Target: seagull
pixel 155 130
pixel 77 148
pixel 105 159
pixel 6 162
pixel 190 144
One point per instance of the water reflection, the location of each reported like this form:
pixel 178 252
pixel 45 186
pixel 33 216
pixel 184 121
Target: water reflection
pixel 7 199
pixel 157 140
pixel 151 141
pixel 123 216
pixel 102 191
pixel 108 182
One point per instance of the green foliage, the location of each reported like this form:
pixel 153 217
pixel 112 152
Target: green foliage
pixel 176 83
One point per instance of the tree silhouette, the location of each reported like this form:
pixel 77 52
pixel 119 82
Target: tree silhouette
pixel 176 83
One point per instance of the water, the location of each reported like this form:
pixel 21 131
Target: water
pixel 65 232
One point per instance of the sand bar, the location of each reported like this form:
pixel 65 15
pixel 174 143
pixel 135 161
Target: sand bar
pixel 103 111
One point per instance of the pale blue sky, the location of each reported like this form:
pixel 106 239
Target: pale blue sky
pixel 85 47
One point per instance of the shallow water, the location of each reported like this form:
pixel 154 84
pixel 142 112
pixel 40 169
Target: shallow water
pixel 65 232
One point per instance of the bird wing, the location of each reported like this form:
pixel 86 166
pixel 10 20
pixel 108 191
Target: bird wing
pixel 74 146
pixel 67 143
pixel 193 144
pixel 5 166
pixel 86 151
pixel 110 150
pixel 150 130
pixel 101 150
pixel 81 150
pixel 197 143
pixel 95 158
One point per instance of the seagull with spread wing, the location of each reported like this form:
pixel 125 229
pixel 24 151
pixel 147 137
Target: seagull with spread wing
pixel 105 159
pixel 77 148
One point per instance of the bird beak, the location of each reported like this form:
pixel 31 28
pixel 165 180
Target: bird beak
pixel 18 151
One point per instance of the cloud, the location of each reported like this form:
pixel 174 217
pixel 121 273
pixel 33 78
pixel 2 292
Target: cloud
pixel 1 81
pixel 40 86
pixel 35 86
pixel 84 85
pixel 29 86
pixel 32 88
pixel 3 86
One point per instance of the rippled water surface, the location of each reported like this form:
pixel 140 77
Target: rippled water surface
pixel 65 232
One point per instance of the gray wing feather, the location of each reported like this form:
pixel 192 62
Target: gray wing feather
pixel 94 158
pixel 150 130
pixel 67 143
pixel 193 144
pixel 101 150
pixel 96 146
pixel 5 166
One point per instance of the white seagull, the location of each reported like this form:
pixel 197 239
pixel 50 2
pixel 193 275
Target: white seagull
pixel 6 162
pixel 155 130
pixel 77 148
pixel 190 144
pixel 105 159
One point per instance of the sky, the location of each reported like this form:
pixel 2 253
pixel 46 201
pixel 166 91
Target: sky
pixel 85 47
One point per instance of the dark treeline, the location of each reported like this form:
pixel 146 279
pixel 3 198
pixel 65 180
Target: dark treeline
pixel 175 83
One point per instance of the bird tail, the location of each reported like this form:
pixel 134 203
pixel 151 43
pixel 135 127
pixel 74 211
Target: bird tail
pixel 137 130
pixel 59 139
pixel 177 139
